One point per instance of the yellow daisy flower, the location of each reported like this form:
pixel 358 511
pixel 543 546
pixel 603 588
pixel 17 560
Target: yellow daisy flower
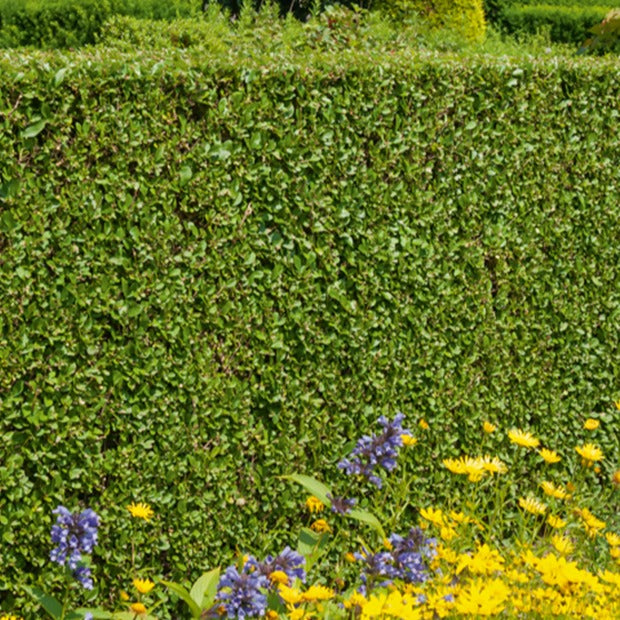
pixel 591 424
pixel 613 539
pixel 141 511
pixel 317 593
pixel 523 438
pixel 555 522
pixel 278 576
pixel 144 586
pixel 532 505
pixel 138 608
pixel 562 545
pixel 489 428
pixel 423 424
pixel 320 526
pixel 432 515
pixel 590 453
pixel 408 440
pixel 549 456
pixel 552 490
pixel 314 504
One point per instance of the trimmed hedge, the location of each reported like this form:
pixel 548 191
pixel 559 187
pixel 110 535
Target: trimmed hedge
pixel 71 23
pixel 215 272
pixel 567 24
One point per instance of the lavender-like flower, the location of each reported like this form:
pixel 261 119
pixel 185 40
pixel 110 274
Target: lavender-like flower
pixel 289 561
pixel 243 592
pixel 376 450
pixel 341 505
pixel 74 534
pixel 407 560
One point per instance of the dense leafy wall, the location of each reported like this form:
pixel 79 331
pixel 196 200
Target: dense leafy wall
pixel 212 274
pixel 71 23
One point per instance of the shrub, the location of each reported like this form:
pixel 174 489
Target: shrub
pixel 71 23
pixel 566 24
pixel 465 17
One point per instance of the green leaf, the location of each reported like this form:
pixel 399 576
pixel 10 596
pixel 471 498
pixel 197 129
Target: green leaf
pixel 96 613
pixel 34 130
pixel 185 174
pixel 49 603
pixel 367 517
pixel 60 76
pixel 307 541
pixel 183 594
pixel 205 588
pixel 312 485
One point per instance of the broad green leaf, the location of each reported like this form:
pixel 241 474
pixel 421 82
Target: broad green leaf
pixel 312 485
pixel 34 130
pixel 307 542
pixel 183 594
pixel 49 603
pixel 96 613
pixel 205 588
pixel 367 517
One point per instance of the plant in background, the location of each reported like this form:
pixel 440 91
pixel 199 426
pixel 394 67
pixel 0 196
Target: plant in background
pixel 606 35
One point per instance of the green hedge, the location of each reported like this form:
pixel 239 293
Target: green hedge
pixel 215 272
pixel 71 23
pixel 566 24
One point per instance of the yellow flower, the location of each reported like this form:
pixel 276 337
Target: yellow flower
pixel 447 534
pixel 272 615
pixel 484 562
pixel 591 424
pixel 591 523
pixel 590 453
pixel 408 440
pixel 314 504
pixel 550 489
pixel 289 595
pixel 489 428
pixel 432 515
pixel 349 557
pixel 138 608
pixel 355 600
pixel 523 438
pixel 10 618
pixel 613 539
pixel 483 597
pixel 320 525
pixel 124 596
pixel 616 478
pixel 423 424
pixel 144 586
pixel 296 613
pixel 562 545
pixel 532 505
pixel 141 511
pixel 493 465
pixel 549 456
pixel 555 522
pixel 317 593
pixel 614 552
pixel 278 576
pixel 387 544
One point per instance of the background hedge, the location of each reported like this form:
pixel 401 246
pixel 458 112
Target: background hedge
pixel 214 272
pixel 71 23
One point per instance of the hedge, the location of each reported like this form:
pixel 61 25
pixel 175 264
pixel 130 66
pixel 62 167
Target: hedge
pixel 214 272
pixel 566 24
pixel 71 23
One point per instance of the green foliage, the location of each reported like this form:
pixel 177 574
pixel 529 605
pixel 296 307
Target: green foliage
pixel 606 35
pixel 465 17
pixel 215 266
pixel 566 24
pixel 71 23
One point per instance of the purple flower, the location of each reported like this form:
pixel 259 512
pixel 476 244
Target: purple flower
pixel 376 450
pixel 74 534
pixel 407 560
pixel 341 505
pixel 289 561
pixel 243 592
